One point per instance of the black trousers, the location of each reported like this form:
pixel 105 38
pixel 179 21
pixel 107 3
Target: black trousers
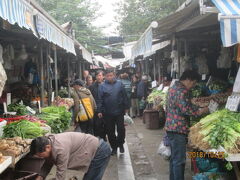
pixel 85 127
pixel 99 129
pixel 111 122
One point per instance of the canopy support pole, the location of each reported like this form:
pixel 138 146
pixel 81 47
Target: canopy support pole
pixel 56 70
pixel 41 75
pixel 68 73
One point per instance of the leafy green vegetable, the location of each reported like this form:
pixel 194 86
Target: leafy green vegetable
pixel 157 98
pixel 58 118
pixel 19 108
pixel 24 129
pixel 221 128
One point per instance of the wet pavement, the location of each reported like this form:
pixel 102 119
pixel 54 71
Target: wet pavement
pixel 143 144
pixel 140 160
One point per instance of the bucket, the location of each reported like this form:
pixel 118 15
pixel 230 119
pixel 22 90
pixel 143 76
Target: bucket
pixel 151 119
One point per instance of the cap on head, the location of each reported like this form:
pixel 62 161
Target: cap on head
pixel 78 82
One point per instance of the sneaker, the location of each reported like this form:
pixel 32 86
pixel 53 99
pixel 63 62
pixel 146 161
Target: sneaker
pixel 114 152
pixel 121 149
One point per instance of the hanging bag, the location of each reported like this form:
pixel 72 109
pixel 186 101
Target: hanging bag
pixel 85 109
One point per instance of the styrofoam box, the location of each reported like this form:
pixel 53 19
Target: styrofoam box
pixel 2 124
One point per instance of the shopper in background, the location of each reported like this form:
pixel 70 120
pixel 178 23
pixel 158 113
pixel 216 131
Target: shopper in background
pixel 84 107
pixel 134 110
pixel 85 75
pixel 178 107
pixel 124 78
pixel 142 93
pixel 98 123
pixel 112 104
pixel 71 150
pixel 89 81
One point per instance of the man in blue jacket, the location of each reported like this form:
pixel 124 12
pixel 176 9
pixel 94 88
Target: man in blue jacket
pixel 113 103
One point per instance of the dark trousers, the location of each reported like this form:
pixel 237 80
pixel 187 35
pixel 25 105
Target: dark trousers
pixel 111 122
pixel 99 129
pixel 99 163
pixel 85 127
pixel 178 144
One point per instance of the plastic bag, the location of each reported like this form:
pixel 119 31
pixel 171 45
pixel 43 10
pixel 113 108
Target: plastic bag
pixel 164 151
pixel 127 119
pixel 3 78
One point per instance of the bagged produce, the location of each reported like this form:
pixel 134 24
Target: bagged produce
pixel 127 119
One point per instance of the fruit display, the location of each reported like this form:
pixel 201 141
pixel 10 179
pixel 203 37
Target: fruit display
pixel 220 98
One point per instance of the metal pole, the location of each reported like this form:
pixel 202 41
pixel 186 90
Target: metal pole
pixel 41 75
pixel 179 56
pixel 154 67
pixel 48 76
pixel 68 72
pixel 56 70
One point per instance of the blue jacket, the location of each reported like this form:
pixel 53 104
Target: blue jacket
pixel 112 98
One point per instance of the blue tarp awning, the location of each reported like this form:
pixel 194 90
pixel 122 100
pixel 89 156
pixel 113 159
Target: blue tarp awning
pixel 21 12
pixel 229 18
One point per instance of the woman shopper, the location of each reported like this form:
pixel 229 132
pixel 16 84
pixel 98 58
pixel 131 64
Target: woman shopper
pixel 84 107
pixel 179 106
pixel 134 111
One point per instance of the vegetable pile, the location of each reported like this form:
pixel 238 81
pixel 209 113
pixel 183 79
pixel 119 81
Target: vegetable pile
pixel 65 102
pixel 157 98
pixel 18 108
pixel 217 85
pixel 58 118
pixel 24 129
pixel 221 128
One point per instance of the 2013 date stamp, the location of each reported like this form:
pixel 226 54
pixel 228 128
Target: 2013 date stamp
pixel 196 154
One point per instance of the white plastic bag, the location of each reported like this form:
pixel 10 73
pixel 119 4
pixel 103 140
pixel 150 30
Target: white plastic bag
pixel 127 119
pixel 164 151
pixel 3 78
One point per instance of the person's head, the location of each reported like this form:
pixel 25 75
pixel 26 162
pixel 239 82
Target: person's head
pixel 110 76
pixel 99 76
pixel 77 84
pixel 89 80
pixel 125 76
pixel 189 78
pixel 145 78
pixel 85 73
pixel 41 147
pixel 134 78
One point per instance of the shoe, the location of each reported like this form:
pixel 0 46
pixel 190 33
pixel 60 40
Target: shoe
pixel 114 152
pixel 121 149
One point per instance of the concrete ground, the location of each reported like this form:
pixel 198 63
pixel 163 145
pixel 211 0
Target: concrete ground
pixel 140 161
pixel 143 144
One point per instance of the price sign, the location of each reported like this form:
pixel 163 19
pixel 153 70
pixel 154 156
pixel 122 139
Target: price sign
pixel 213 106
pixel 204 76
pixel 154 84
pixel 233 103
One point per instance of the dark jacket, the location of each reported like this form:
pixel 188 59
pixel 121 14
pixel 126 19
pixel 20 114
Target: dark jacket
pixel 112 98
pixel 128 86
pixel 94 90
pixel 142 90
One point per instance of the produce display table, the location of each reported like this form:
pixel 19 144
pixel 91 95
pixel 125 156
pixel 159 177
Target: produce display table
pixel 6 163
pixel 18 158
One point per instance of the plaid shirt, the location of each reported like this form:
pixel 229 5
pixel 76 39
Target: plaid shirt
pixel 178 107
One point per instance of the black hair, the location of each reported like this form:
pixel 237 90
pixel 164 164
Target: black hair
pixel 109 71
pixel 99 72
pixel 190 75
pixel 38 145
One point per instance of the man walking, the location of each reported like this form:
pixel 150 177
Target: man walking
pixel 98 123
pixel 113 103
pixel 72 150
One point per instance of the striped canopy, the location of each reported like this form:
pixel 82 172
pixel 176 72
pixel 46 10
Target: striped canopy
pixel 229 18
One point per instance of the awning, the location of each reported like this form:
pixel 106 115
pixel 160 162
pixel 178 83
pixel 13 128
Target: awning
pixel 157 47
pixel 86 55
pixel 229 18
pixel 47 30
pixel 17 12
pixel 143 45
pixel 21 12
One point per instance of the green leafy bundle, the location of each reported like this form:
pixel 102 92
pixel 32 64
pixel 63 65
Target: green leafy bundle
pixel 18 108
pixel 24 129
pixel 221 128
pixel 58 118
